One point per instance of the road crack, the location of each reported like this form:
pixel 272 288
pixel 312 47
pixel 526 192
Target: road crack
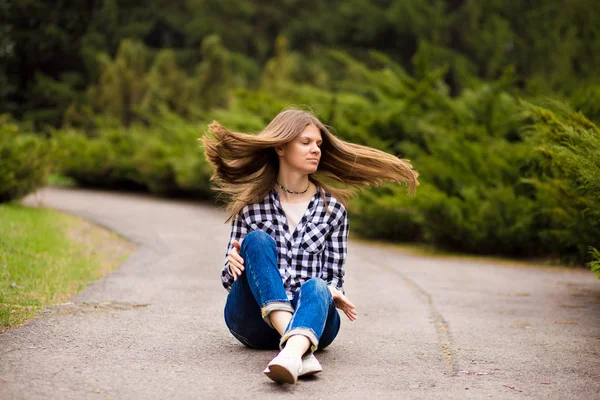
pixel 441 325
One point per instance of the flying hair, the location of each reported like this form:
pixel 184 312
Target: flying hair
pixel 246 165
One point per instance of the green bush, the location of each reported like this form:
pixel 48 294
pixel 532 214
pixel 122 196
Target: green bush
pixel 104 160
pixel 566 176
pixel 497 176
pixel 483 221
pixel 488 185
pixel 595 263
pixel 165 158
pixel 25 161
pixel 385 213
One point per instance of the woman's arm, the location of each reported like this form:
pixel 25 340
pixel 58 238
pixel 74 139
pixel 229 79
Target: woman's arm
pixel 334 255
pixel 238 232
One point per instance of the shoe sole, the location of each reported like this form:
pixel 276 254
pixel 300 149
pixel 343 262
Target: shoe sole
pixel 280 374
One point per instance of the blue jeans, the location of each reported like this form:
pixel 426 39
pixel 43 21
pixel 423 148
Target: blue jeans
pixel 259 291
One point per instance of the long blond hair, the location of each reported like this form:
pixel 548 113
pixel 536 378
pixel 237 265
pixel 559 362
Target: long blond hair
pixel 246 165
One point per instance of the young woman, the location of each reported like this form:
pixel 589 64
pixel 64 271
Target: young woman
pixel 284 267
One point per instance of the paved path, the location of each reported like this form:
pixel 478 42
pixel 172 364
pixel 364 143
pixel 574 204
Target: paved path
pixel 427 328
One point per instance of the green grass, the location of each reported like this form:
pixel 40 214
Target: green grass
pixel 47 256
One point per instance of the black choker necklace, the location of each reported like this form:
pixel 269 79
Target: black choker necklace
pixel 291 191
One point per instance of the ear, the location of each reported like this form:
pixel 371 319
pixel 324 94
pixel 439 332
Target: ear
pixel 279 151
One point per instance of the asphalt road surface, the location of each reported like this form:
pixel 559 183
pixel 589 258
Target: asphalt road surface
pixel 427 327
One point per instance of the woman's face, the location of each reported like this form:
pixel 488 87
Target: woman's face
pixel 304 153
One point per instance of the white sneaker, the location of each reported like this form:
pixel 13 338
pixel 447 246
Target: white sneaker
pixel 284 368
pixel 310 366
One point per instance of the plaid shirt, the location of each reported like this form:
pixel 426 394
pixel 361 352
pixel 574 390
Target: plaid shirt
pixel 316 248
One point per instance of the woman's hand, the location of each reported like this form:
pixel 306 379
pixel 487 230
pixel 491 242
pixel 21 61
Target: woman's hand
pixel 236 262
pixel 342 302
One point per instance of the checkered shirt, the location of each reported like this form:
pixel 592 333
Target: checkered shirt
pixel 316 248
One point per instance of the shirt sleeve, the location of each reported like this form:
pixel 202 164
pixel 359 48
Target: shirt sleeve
pixel 238 232
pixel 335 253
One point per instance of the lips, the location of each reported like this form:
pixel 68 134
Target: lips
pixel 313 159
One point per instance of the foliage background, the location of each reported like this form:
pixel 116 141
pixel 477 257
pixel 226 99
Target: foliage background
pixel 495 102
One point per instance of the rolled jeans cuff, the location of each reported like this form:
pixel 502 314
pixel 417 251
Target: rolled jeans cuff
pixel 275 306
pixel 314 342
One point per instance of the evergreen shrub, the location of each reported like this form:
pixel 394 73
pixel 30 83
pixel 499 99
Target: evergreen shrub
pixel 25 161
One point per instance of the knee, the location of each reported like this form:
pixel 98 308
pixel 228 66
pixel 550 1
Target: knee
pixel 257 238
pixel 258 244
pixel 317 285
